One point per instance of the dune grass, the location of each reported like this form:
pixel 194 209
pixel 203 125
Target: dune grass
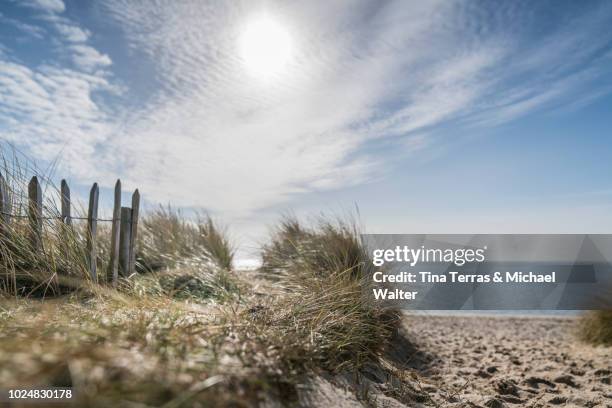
pixel 325 314
pixel 188 330
pixel 56 259
pixel 168 239
pixel 117 350
pixel 596 327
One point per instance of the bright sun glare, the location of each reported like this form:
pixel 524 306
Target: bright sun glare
pixel 265 47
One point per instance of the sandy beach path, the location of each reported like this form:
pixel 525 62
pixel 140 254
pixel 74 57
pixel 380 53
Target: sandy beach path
pixel 510 361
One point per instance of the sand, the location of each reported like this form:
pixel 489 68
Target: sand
pixel 506 361
pixel 480 362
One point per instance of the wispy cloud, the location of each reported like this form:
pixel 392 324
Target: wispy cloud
pixel 50 109
pixel 88 58
pixel 53 109
pixel 28 29
pixel 72 33
pixel 205 133
pixel 49 6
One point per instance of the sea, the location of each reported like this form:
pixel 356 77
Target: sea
pixel 507 313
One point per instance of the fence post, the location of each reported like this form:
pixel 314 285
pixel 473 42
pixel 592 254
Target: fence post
pixel 124 241
pixel 134 230
pixel 5 205
pixel 113 267
pixel 65 192
pixel 35 213
pixel 92 228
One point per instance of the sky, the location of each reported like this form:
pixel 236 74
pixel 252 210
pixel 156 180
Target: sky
pixel 429 117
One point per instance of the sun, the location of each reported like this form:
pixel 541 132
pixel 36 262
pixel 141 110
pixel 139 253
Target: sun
pixel 265 47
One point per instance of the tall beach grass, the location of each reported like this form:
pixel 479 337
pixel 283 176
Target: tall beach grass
pixel 188 331
pixel 596 327
pixel 324 313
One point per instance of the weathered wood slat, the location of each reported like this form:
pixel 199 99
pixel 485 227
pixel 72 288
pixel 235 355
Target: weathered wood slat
pixel 113 268
pixel 35 213
pixel 6 208
pixel 134 230
pixel 92 229
pixel 5 205
pixel 124 241
pixel 65 199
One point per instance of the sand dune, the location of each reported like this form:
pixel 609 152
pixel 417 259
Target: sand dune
pixel 479 361
pixel 505 361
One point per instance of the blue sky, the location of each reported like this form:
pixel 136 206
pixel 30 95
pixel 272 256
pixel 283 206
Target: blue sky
pixel 437 116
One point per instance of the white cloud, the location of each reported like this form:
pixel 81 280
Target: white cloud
pixel 88 58
pixel 50 109
pixel 50 6
pixel 213 137
pixel 56 106
pixel 84 56
pixel 72 32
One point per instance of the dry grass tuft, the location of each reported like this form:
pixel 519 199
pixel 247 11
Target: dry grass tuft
pixel 121 351
pixel 25 269
pixel 216 242
pixel 168 240
pixel 324 318
pixel 327 248
pixel 596 327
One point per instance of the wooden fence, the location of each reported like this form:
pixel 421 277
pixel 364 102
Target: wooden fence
pixel 123 231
